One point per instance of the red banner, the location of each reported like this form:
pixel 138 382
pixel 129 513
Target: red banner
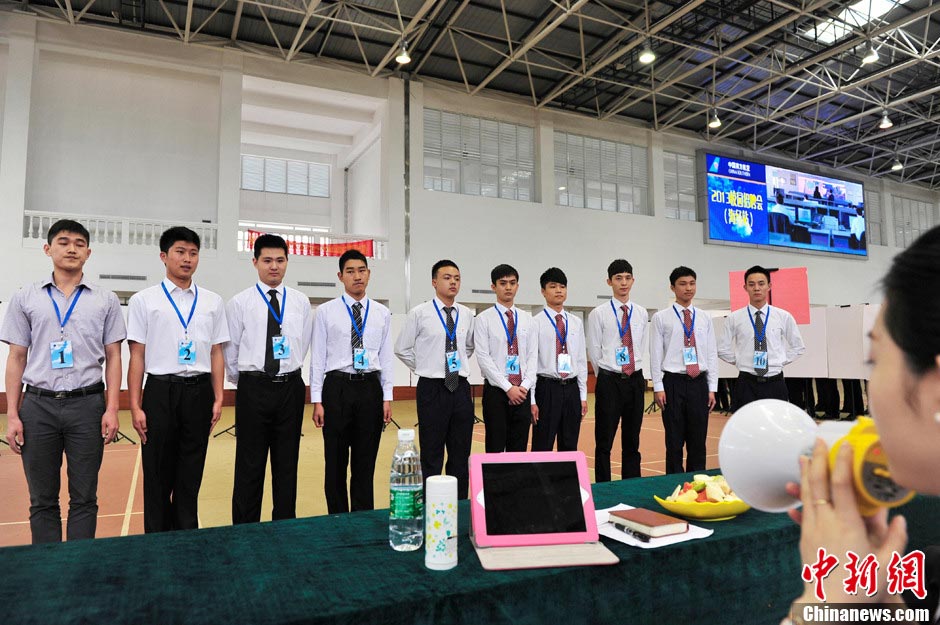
pixel 297 246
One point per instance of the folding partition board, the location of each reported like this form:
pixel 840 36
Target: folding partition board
pixel 814 363
pixel 846 338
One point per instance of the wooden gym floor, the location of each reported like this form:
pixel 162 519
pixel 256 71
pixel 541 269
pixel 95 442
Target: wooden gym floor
pixel 120 485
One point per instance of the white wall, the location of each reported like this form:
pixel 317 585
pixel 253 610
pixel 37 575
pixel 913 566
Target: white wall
pixel 110 138
pixel 367 213
pixel 3 84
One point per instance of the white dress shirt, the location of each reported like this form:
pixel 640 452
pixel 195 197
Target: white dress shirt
pixel 152 321
pixel 422 342
pixel 247 315
pixel 603 335
pixel 547 357
pixel 667 341
pixel 492 346
pixel 784 343
pixel 332 343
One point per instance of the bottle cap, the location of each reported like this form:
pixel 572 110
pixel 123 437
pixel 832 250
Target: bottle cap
pixel 406 435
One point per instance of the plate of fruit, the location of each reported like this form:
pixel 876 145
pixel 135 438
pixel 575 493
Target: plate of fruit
pixel 706 498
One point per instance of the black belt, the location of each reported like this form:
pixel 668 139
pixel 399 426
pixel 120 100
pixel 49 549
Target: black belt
pixel 558 381
pixel 620 374
pixel 202 378
pixel 94 389
pixel 760 379
pixel 354 377
pixel 280 378
pixel 685 376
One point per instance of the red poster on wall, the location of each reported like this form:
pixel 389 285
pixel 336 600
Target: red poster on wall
pixel 789 290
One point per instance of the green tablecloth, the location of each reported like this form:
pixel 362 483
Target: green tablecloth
pixel 340 569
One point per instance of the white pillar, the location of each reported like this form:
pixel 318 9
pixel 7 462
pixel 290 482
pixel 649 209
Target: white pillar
pixel 21 66
pixel 657 186
pixel 393 186
pixel 545 159
pixel 230 138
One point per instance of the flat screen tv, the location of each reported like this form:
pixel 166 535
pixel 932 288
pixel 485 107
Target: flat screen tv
pixel 760 204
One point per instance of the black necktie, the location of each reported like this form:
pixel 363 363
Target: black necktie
pixel 450 377
pixel 760 341
pixel 355 338
pixel 272 366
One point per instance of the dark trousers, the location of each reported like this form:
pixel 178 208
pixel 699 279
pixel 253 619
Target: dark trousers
pixel 685 419
pixel 51 427
pixel 178 420
pixel 749 388
pixel 507 426
pixel 617 399
pixel 559 403
pixel 852 401
pixel 268 417
pixel 446 421
pixel 827 390
pixel 352 428
pixel 800 393
pixel 723 396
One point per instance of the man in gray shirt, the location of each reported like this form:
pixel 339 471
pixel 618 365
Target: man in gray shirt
pixel 59 331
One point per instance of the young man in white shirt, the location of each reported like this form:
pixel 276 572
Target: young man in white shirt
pixel 175 331
pixel 559 402
pixel 60 330
pixel 435 343
pixel 351 384
pixel 508 356
pixel 617 342
pixel 759 340
pixel 684 362
pixel 269 325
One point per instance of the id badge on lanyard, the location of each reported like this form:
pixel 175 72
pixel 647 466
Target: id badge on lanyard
pixel 453 361
pixel 760 360
pixel 280 346
pixel 187 352
pixel 60 352
pixel 689 356
pixel 360 359
pixel 512 365
pixel 564 363
pixel 622 356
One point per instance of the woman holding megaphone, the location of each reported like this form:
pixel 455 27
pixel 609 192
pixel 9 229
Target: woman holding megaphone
pixel 904 397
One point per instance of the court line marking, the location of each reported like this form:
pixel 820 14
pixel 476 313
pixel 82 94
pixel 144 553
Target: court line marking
pixel 100 516
pixel 126 526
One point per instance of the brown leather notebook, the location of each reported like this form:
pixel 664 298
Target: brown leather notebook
pixel 648 522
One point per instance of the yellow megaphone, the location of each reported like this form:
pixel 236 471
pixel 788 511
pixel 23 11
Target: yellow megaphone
pixel 759 452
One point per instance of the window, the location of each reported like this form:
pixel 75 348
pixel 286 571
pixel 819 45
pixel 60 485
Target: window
pixel 679 178
pixel 604 175
pixel 875 227
pixel 911 219
pixel 476 156
pixel 277 175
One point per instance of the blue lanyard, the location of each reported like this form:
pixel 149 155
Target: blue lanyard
pixel 277 317
pixel 766 321
pixel 451 337
pixel 622 329
pixel 68 313
pixel 561 339
pixel 176 308
pixel 360 330
pixel 688 333
pixel 515 327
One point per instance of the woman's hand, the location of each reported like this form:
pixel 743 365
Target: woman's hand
pixel 830 520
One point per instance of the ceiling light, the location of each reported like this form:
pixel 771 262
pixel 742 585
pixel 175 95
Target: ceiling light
pixel 885 121
pixel 562 188
pixel 647 56
pixel 403 57
pixel 871 56
pixel 714 122
pixel 896 165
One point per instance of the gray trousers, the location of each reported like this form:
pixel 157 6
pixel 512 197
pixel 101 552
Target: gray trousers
pixel 51 426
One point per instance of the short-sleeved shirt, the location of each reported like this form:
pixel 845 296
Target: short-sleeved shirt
pixel 152 320
pixel 31 322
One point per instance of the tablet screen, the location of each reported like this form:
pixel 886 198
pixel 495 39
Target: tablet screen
pixel 532 498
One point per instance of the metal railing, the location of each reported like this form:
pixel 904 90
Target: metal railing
pixel 118 231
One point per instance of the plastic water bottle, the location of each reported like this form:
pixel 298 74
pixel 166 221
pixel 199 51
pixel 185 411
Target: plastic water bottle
pixel 406 508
